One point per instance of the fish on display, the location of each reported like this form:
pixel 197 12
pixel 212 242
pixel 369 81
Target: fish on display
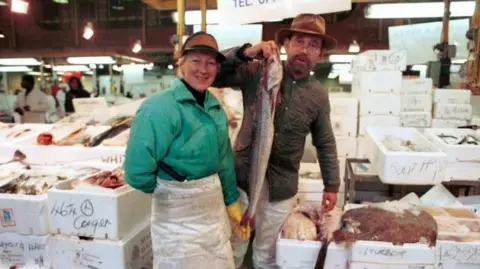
pixel 110 133
pixel 460 140
pixel 263 132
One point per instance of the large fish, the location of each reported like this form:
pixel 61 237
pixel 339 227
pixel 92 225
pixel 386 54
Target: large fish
pixel 263 132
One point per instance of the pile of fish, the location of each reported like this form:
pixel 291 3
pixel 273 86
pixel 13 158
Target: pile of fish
pixel 471 139
pixel 108 179
pixel 306 222
pixel 18 178
pixel 393 143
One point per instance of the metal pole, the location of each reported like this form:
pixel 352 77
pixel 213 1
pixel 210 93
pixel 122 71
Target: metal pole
pixel 181 22
pixel 203 8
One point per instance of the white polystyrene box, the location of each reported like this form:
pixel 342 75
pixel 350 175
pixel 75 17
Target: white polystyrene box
pixel 414 168
pixel 452 96
pixel 27 251
pixel 344 125
pixel 7 137
pixel 452 111
pixel 376 82
pixel 441 123
pixel 297 253
pixel 337 255
pixel 416 119
pixel 417 86
pixel 455 153
pixel 416 103
pixel 380 104
pixel 374 265
pixel 133 252
pixel 380 60
pixel 24 214
pixel 450 252
pixel 377 121
pixel 94 211
pixel 384 252
pixel 343 106
pixel 346 146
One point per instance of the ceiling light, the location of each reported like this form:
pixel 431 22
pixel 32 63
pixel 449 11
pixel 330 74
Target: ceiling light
pixel 3 3
pixel 312 73
pixel 92 66
pixel 19 61
pixel 459 61
pixel 2 35
pixel 67 68
pixel 61 1
pixel 91 60
pixel 88 31
pixel 133 59
pixel 419 10
pixel 15 69
pixel 170 66
pixel 283 51
pixel 341 58
pixel 283 57
pixel 137 47
pixel 354 47
pixel 19 6
pixel 333 75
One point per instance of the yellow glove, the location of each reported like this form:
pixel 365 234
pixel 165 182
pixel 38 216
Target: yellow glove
pixel 235 212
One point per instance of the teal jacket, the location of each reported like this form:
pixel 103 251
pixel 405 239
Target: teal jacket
pixel 171 127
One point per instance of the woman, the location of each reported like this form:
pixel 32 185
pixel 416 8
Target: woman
pixel 76 91
pixel 179 150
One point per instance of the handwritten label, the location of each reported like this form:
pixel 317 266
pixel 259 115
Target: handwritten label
pixel 416 267
pixel 82 215
pixel 416 103
pixel 449 111
pixel 85 259
pixel 384 252
pixel 418 169
pixel 28 251
pixel 461 253
pixel 415 119
pixel 452 97
pixel 114 159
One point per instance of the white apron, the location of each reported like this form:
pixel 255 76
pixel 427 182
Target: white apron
pixel 190 226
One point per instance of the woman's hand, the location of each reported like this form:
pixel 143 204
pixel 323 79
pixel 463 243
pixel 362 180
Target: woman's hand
pixel 235 212
pixel 265 49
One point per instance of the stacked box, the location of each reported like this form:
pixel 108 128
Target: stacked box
pixel 416 103
pixel 377 84
pixel 451 108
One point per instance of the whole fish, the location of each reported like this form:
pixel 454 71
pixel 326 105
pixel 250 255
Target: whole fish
pixel 263 132
pixel 112 132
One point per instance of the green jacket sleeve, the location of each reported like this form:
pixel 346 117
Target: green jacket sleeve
pixel 235 71
pixel 324 141
pixel 227 171
pixel 150 135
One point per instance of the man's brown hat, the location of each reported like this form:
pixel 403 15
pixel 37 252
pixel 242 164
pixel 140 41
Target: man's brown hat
pixel 310 24
pixel 201 41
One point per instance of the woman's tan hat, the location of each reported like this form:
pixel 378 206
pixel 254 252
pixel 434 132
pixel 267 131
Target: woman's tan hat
pixel 202 42
pixel 310 24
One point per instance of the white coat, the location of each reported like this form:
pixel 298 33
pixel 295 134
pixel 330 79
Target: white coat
pixel 38 103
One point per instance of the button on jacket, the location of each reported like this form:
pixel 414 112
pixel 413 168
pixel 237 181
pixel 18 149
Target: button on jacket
pixel 304 109
pixel 171 127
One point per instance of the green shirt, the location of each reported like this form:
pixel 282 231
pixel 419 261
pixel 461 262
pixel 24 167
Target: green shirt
pixel 171 127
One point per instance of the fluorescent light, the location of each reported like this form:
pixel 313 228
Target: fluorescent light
pixel 459 61
pixel 61 1
pixel 91 60
pixel 15 69
pixel 35 73
pixel 67 68
pixel 133 59
pixel 170 66
pixel 341 58
pixel 19 6
pixel 19 61
pixel 2 35
pixel 419 10
pixel 3 3
pixel 195 17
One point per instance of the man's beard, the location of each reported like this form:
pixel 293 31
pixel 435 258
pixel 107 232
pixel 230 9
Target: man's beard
pixel 300 65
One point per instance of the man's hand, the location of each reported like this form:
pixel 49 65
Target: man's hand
pixel 329 201
pixel 26 108
pixel 264 49
pixel 19 111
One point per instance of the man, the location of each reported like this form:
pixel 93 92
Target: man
pixel 304 109
pixel 31 103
